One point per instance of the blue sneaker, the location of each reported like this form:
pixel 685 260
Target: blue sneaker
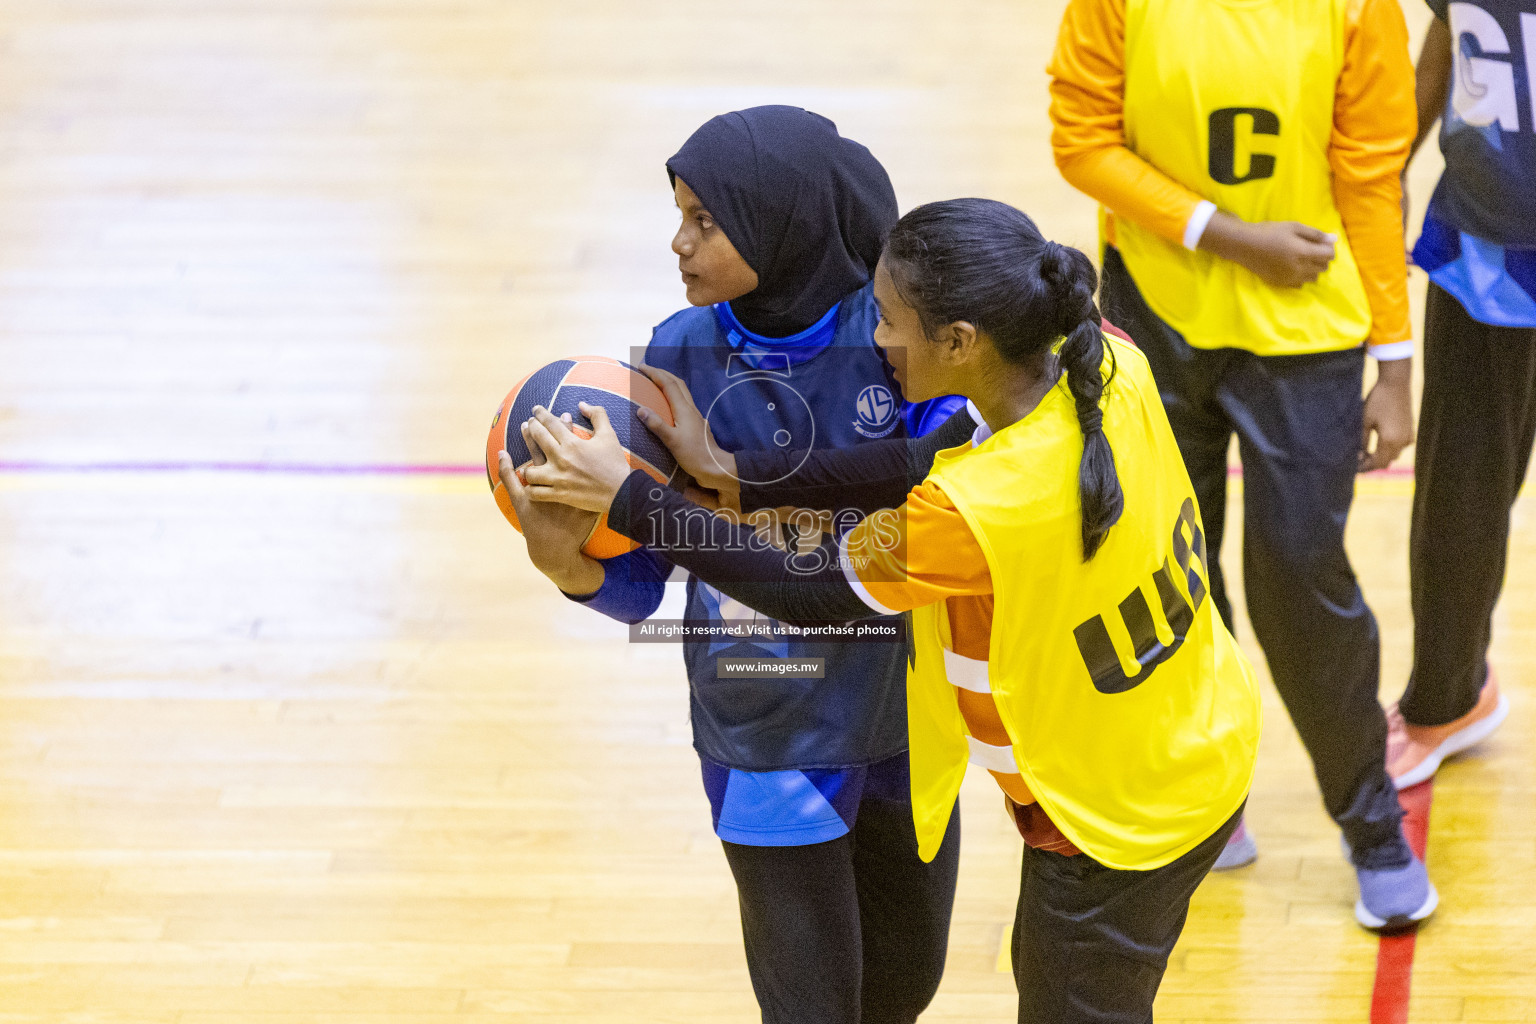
pixel 1240 850
pixel 1396 898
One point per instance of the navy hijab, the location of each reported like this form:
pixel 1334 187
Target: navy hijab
pixel 806 208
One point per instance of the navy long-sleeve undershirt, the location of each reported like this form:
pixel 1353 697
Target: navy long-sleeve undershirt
pixel 633 586
pixel 808 589
pixel 866 477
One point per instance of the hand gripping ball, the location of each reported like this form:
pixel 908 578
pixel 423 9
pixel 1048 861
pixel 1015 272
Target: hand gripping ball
pixel 559 387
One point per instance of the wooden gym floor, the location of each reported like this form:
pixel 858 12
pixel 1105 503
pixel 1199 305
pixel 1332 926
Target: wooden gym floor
pixel 282 741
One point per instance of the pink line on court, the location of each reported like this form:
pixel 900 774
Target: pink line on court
pixel 293 468
pixel 329 468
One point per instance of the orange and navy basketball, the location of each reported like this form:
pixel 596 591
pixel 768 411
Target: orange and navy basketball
pixel 560 387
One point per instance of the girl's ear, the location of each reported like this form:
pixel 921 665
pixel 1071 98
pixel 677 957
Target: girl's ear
pixel 957 342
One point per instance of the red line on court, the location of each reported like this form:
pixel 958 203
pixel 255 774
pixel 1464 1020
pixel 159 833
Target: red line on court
pixel 1394 956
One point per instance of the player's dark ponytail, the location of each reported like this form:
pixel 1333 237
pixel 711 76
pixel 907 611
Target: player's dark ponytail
pixel 1070 275
pixel 986 263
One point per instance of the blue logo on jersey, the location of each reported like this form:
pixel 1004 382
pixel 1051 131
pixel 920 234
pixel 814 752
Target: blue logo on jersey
pixel 876 409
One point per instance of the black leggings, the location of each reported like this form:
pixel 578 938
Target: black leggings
pixel 1476 426
pixel 851 931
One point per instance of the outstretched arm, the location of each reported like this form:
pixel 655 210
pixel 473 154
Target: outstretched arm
pixel 594 474
pixel 921 553
pixel 893 561
pixel 864 478
pixel 805 588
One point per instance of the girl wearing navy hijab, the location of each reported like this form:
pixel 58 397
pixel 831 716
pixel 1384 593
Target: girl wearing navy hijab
pixel 807 778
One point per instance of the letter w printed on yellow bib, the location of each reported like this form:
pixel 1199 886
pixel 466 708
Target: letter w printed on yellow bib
pixel 1235 100
pixel 1133 716
pixel 1097 647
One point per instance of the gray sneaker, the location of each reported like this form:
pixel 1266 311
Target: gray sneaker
pixel 1396 898
pixel 1240 850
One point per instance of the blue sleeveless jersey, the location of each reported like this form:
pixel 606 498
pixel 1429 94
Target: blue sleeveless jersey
pixel 785 762
pixel 827 387
pixel 1488 127
pixel 1479 237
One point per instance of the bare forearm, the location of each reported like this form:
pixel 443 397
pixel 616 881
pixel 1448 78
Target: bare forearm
pixel 1432 79
pixel 579 575
pixel 1283 253
pixel 1226 236
pixel 1395 373
pixel 865 477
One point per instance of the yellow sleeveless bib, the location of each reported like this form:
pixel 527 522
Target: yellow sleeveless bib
pixel 1134 717
pixel 1234 99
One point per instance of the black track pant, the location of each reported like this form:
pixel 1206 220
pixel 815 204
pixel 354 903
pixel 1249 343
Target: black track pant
pixel 1090 943
pixel 851 931
pixel 1298 423
pixel 1475 429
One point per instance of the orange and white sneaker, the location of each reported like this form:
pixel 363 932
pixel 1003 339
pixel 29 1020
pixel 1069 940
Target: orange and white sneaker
pixel 1414 752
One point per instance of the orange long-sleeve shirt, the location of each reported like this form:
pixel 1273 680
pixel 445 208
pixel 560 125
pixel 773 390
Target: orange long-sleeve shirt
pixel 1374 121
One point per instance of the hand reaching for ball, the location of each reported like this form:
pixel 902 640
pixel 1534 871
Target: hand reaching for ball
pixel 690 440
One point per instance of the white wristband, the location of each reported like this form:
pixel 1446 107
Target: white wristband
pixel 1197 223
pixel 1391 351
